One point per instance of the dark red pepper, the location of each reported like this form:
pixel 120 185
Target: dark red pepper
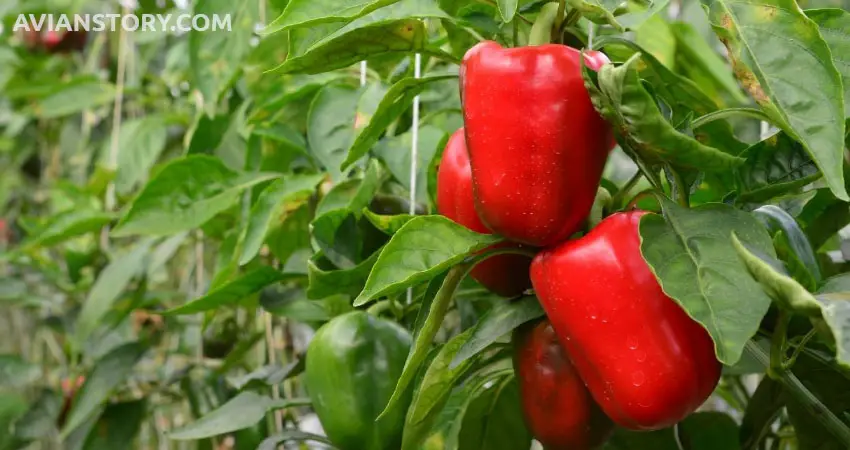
pixel 558 409
pixel 506 275
pixel 537 146
pixel 644 360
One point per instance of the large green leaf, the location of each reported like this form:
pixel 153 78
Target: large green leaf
pixel 620 97
pixel 185 194
pixel 681 94
pixel 40 419
pixel 702 63
pixel 395 152
pixel 433 392
pixel 215 55
pixel 494 419
pixel 325 281
pixel 422 248
pixel 508 9
pixel 690 252
pixel 242 411
pixel 834 26
pixel 272 202
pixel 764 406
pixel 109 373
pixel 394 29
pixel 15 373
pixel 330 125
pixel 71 98
pixel 68 225
pixel 786 66
pixel 302 13
pixel 139 145
pixel 773 167
pixel 232 292
pixel 110 284
pixel 831 388
pixel 496 323
pixel 118 425
pixel 397 100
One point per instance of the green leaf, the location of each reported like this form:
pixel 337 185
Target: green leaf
pixel 215 55
pixel 494 419
pixel 620 14
pixel 325 282
pixel 12 406
pixel 781 288
pixel 118 425
pixel 110 284
pixel 397 100
pixel 40 419
pixel 507 9
pixel 301 13
pixel 432 311
pixel 184 195
pixel 762 410
pixel 395 152
pixel 777 219
pixel 831 388
pixel 786 66
pixel 242 411
pixel 656 37
pixel 486 382
pixel 270 205
pixel 836 314
pixel 422 248
pixel 690 253
pixel 389 225
pixel 621 98
pixel 702 59
pixel 139 146
pixel 232 292
pixel 68 225
pixel 709 430
pixel 269 375
pixel 497 322
pixel 72 98
pixel 15 373
pixel 834 25
pixel 330 125
pixel 683 96
pixel 291 435
pixel 109 373
pixel 433 392
pixel 774 166
pixel 394 29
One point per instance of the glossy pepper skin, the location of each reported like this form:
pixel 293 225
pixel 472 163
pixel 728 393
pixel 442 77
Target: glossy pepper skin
pixel 353 364
pixel 536 144
pixel 644 360
pixel 558 409
pixel 505 275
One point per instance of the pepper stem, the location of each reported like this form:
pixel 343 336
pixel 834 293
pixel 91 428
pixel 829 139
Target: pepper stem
pixel 541 31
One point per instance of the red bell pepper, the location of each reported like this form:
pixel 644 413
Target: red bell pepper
pixel 644 360
pixel 506 275
pixel 558 409
pixel 537 146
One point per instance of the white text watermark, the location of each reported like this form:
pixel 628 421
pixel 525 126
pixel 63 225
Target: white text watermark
pixel 177 23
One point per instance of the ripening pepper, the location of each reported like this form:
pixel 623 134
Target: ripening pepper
pixel 558 409
pixel 536 144
pixel 506 275
pixel 353 364
pixel 644 360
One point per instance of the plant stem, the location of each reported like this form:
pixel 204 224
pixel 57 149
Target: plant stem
pixel 618 198
pixel 803 395
pixel 559 21
pixel 802 345
pixel 682 190
pixel 777 346
pixel 729 112
pixel 638 197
